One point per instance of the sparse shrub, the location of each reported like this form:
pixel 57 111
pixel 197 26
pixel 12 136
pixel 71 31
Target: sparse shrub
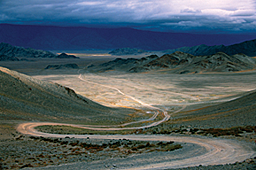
pixel 141 146
pixel 74 144
pixel 171 142
pixel 64 142
pixel 173 147
pixel 134 148
pixel 247 129
pixel 235 131
pixel 159 143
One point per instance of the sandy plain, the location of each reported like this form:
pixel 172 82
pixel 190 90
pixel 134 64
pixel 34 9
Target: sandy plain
pixel 156 88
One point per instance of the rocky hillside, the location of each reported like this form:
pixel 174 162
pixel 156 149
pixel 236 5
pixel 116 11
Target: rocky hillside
pixel 181 63
pixel 120 64
pixel 13 53
pixel 25 98
pixel 238 112
pixel 247 47
pixel 164 62
pixel 186 63
pixel 8 58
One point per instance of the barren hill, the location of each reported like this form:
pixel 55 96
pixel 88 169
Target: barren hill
pixel 181 63
pixel 238 112
pixel 25 98
pixel 120 64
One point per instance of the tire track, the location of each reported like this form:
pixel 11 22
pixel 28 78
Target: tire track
pixel 157 110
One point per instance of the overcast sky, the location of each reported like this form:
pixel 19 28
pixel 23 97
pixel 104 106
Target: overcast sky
pixel 161 15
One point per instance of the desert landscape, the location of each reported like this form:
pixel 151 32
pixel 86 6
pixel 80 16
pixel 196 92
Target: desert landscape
pixel 135 85
pixel 68 110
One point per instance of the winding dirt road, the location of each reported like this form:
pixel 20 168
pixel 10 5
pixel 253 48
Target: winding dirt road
pixel 217 151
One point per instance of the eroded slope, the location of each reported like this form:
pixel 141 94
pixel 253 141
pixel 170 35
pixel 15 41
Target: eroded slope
pixel 25 98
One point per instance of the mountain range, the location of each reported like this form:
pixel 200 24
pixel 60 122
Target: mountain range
pixel 14 53
pixel 82 38
pixel 179 62
pixel 247 47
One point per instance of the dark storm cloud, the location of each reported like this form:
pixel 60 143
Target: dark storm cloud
pixel 189 10
pixel 228 15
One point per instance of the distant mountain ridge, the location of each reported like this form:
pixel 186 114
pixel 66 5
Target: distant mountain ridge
pixel 13 53
pixel 187 63
pixel 179 62
pixel 247 48
pixel 81 38
pixel 127 51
